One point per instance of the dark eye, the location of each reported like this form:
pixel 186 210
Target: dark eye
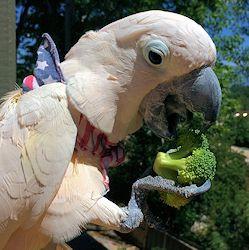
pixel 155 52
pixel 155 58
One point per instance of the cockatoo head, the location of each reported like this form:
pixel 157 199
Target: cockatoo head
pixel 153 66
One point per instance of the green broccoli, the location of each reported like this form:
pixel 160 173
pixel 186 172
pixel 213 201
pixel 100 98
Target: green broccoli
pixel 187 167
pixel 191 162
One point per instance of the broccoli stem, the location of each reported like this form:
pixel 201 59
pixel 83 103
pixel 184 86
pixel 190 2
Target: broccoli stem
pixel 168 167
pixel 174 164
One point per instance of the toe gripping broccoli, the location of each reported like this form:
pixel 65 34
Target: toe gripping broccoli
pixel 190 163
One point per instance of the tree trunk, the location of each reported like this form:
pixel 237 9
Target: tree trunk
pixel 7 46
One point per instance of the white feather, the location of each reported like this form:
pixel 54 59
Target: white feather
pixel 37 142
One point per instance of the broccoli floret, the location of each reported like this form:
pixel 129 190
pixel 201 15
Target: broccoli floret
pixel 199 167
pixel 192 162
pixel 174 200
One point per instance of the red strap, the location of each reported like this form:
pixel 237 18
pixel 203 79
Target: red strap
pixel 96 142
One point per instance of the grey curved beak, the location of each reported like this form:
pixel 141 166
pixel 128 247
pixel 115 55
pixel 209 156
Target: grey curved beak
pixel 199 91
pixel 205 95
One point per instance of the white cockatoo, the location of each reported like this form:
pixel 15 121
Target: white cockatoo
pixel 151 66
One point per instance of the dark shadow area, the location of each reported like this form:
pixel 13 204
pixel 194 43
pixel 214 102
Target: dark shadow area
pixel 86 242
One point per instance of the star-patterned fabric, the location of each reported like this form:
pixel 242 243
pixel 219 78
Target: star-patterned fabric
pixel 47 69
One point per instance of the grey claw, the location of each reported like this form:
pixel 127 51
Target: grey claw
pixel 194 190
pixel 161 184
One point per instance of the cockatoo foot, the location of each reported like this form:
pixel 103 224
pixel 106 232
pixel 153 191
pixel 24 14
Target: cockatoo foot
pixel 132 221
pixel 138 205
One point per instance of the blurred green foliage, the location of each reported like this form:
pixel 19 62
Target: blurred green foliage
pixel 218 219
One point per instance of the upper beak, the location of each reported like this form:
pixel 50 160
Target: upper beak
pixel 204 96
pixel 199 91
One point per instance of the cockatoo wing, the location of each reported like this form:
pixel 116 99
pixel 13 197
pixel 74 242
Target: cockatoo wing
pixel 37 142
pixel 49 147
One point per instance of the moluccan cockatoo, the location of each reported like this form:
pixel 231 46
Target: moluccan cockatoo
pixel 58 139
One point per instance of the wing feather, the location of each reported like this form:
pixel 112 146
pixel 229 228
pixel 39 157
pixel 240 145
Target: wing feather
pixel 37 141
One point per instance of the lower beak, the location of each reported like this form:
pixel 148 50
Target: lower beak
pixel 199 91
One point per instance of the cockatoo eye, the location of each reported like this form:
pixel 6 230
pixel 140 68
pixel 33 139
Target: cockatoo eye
pixel 155 58
pixel 155 52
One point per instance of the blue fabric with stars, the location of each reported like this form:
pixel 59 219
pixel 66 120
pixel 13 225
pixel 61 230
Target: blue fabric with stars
pixel 47 69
